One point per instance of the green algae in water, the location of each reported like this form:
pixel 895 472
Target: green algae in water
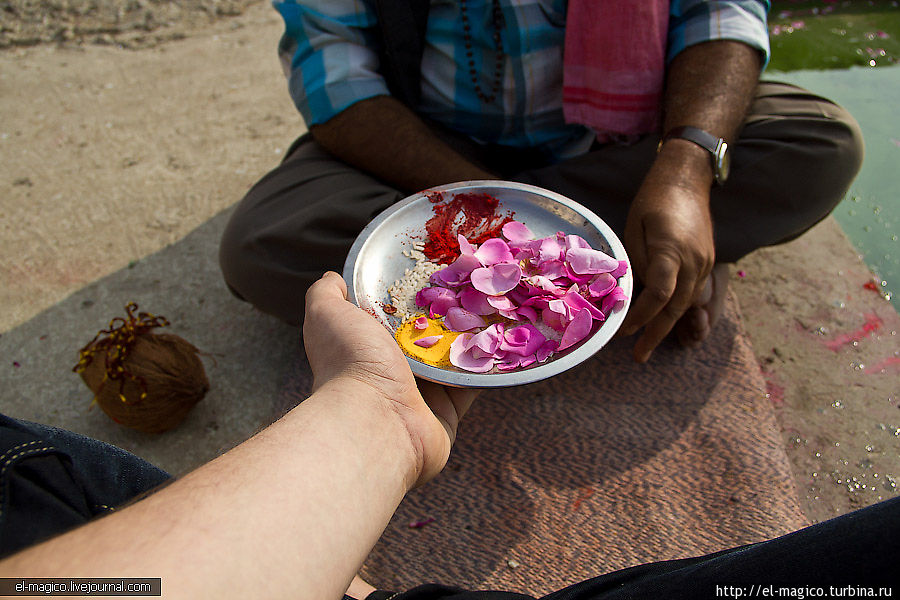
pixel 834 35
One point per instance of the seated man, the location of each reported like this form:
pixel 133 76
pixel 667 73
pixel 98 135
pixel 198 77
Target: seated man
pixel 402 95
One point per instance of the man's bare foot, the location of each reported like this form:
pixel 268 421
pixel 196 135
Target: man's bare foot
pixel 359 588
pixel 697 323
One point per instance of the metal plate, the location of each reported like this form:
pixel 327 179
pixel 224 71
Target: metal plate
pixel 376 260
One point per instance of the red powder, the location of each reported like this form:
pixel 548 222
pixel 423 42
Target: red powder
pixel 480 222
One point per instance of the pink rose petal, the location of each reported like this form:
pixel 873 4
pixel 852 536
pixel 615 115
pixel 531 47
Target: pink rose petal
pixel 577 302
pixel 546 349
pixel 458 271
pixel 554 320
pixel 515 231
pixel 428 341
pixel 576 241
pixel 551 249
pixel 487 340
pixel 602 285
pixel 528 312
pixel 493 251
pixel 475 302
pixel 426 296
pixel 461 356
pixel 464 246
pixel 522 340
pixel 440 306
pixel 421 322
pixel 613 301
pixel 459 319
pixel 577 330
pixel 501 303
pixel 496 279
pixel 553 269
pixel 536 284
pixel 585 260
pixel 620 270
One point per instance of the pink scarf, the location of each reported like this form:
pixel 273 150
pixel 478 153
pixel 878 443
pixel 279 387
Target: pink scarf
pixel 614 64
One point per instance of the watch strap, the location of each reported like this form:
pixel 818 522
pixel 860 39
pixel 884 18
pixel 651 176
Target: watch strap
pixel 692 134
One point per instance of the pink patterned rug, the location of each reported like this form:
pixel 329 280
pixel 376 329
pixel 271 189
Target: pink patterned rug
pixel 609 465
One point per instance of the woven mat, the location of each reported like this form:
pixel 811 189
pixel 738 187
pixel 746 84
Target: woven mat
pixel 609 465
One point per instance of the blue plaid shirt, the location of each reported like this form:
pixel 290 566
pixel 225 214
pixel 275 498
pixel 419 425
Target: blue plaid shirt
pixel 328 58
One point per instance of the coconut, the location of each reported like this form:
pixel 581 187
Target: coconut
pixel 142 380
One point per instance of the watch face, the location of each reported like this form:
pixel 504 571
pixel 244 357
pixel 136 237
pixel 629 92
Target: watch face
pixel 723 162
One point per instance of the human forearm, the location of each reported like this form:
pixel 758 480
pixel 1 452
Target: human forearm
pixel 383 137
pixel 291 512
pixel 708 86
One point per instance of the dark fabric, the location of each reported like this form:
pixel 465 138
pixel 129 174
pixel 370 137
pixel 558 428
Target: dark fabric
pixel 794 161
pixel 401 29
pixel 860 549
pixel 52 480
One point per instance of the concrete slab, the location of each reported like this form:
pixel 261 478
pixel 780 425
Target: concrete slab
pixel 246 354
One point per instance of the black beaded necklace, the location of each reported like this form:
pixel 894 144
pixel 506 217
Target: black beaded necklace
pixel 498 23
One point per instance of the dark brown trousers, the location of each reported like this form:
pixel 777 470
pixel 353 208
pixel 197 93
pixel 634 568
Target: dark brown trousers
pixel 794 160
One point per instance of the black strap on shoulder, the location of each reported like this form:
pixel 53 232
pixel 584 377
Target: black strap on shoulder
pixel 402 25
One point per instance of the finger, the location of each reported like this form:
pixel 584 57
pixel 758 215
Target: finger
pixel 659 286
pixel 324 292
pixel 448 404
pixel 663 322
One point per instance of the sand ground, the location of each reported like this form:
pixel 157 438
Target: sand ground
pixel 122 144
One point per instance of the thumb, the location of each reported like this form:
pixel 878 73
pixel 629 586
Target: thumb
pixel 329 288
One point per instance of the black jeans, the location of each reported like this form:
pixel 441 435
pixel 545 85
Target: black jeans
pixel 52 480
pixel 856 555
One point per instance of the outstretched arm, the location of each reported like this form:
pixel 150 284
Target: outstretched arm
pixel 669 233
pixel 293 511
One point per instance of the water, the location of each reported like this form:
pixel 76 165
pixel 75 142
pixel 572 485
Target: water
pixel 870 214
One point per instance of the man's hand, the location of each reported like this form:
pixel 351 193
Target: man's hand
pixel 669 237
pixel 350 350
pixel 669 232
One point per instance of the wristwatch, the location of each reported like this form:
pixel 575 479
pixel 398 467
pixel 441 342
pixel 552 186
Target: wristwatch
pixel 717 148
